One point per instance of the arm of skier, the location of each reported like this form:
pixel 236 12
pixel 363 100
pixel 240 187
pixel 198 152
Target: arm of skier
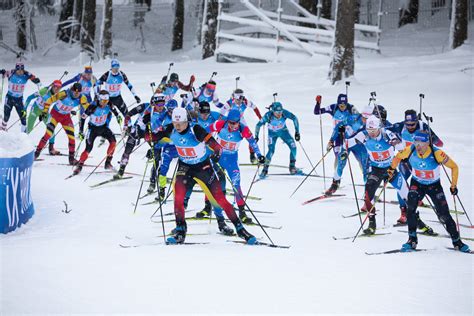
pixel 72 80
pixel 444 159
pixel 247 134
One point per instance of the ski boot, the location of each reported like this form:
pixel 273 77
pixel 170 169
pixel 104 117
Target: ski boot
pixel 108 163
pixel 120 172
pixel 223 228
pixel 292 168
pixel 244 234
pixel 72 161
pixel 459 245
pixel 411 244
pixel 37 153
pixel 333 188
pixel 425 229
pixel 403 216
pixel 253 159
pixel 206 211
pixel 162 193
pixel 179 235
pixel 52 151
pixel 264 172
pixel 243 216
pixel 78 168
pixel 372 226
pixel 151 187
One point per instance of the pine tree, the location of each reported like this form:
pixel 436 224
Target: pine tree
pixel 210 29
pixel 342 64
pixel 178 25
pixel 106 30
pixel 63 32
pixel 458 29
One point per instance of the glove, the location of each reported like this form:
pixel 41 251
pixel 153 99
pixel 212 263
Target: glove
pixel 137 98
pixel 2 71
pixel 149 153
pixel 343 155
pixel 342 129
pixel 191 80
pixel 73 112
pixel 215 157
pixel 35 80
pixel 330 145
pixel 394 142
pixel 119 120
pixel 23 113
pixel 454 190
pixel 318 99
pixel 42 116
pixel 390 173
pixel 297 136
pixel 81 136
pixel 256 138
pixel 261 159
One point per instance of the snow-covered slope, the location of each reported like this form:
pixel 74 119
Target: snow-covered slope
pixel 72 263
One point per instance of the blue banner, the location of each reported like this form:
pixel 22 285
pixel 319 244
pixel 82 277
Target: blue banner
pixel 16 204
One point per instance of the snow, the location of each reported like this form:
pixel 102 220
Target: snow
pixel 14 145
pixel 72 263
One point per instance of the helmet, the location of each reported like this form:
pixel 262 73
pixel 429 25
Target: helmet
pixel 204 107
pixel 88 69
pixel 342 99
pixel 421 136
pixel 103 96
pixel 277 107
pixel 211 85
pixel 114 63
pixel 234 115
pixel 19 66
pixel 238 93
pixel 410 116
pixel 57 83
pixel 367 111
pixel 179 115
pixel 373 122
pixel 172 104
pixel 76 87
pixel 158 98
pixel 174 77
pixel 383 112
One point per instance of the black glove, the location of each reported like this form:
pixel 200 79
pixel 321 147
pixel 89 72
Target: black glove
pixel 215 157
pixel 149 153
pixel 330 145
pixel 261 159
pixel 42 116
pixel 35 80
pixel 297 136
pixel 342 129
pixel 73 112
pixel 256 139
pixel 454 190
pixel 137 98
pixel 391 173
pixel 343 155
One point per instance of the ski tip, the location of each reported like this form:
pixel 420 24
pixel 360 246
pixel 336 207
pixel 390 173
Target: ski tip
pixel 252 241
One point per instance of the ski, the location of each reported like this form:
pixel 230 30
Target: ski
pixel 451 248
pixel 422 205
pixel 203 219
pixel 437 235
pixel 394 251
pixel 70 176
pixel 161 243
pixel 255 165
pixel 108 181
pixel 466 226
pixel 259 243
pixel 231 193
pixel 360 236
pixel 321 197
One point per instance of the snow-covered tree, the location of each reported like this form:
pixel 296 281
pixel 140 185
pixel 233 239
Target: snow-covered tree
pixel 88 26
pixel 20 18
pixel 458 29
pixel 342 64
pixel 178 25
pixel 210 28
pixel 63 32
pixel 106 30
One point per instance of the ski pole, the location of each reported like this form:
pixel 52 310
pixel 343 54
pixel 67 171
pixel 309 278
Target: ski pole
pixel 274 96
pixel 422 96
pixel 169 69
pixel 141 186
pixel 353 183
pixel 457 196
pixel 253 181
pixel 212 76
pixel 457 217
pixel 348 83
pixel 237 82
pixel 245 203
pixel 307 176
pixel 322 143
pixel 14 123
pixel 307 157
pixel 384 206
pixel 95 168
pixel 368 212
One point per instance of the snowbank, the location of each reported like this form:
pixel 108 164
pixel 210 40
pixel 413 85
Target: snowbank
pixel 14 145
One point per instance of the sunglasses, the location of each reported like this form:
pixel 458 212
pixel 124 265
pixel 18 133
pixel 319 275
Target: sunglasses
pixel 233 122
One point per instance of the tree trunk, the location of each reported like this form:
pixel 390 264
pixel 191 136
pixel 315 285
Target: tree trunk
pixel 106 32
pixel 20 17
pixel 326 9
pixel 309 5
pixel 210 29
pixel 78 12
pixel 357 11
pixel 342 64
pixel 199 18
pixel 63 32
pixel 178 25
pixel 88 33
pixel 459 19
pixel 408 13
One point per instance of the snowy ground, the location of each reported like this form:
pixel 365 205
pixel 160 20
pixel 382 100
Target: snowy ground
pixel 72 263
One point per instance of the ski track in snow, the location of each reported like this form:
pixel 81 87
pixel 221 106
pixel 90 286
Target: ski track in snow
pixel 72 263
